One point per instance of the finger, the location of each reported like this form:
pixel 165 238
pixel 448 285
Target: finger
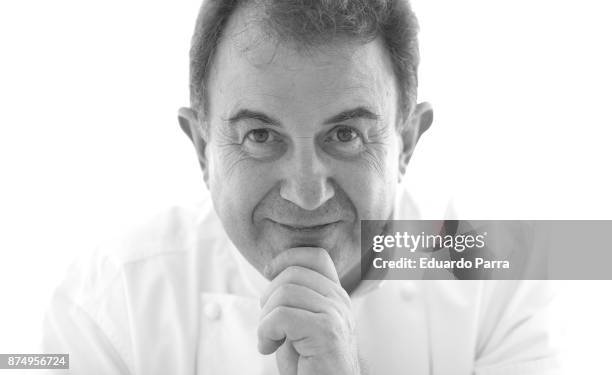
pixel 287 359
pixel 301 297
pixel 283 323
pixel 314 258
pixel 310 279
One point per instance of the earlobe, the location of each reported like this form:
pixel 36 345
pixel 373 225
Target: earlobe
pixel 411 131
pixel 188 121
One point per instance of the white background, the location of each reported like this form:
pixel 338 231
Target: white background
pixel 89 141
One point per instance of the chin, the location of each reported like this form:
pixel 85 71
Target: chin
pixel 343 256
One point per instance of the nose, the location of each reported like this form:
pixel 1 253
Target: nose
pixel 307 179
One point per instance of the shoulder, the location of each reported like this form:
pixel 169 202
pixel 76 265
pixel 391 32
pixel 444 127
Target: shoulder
pixel 165 246
pixel 174 230
pixel 104 303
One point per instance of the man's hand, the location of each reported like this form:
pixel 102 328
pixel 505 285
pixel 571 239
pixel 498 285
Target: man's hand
pixel 306 316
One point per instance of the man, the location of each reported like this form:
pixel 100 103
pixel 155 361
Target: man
pixel 303 117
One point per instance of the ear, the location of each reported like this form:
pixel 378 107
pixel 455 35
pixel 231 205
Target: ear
pixel 411 130
pixel 188 120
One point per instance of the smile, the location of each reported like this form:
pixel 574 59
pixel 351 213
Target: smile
pixel 307 228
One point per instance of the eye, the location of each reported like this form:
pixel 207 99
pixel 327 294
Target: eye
pixel 263 144
pixel 259 135
pixel 343 134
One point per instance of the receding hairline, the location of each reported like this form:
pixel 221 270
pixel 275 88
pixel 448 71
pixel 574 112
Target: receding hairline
pixel 241 15
pixel 253 23
pixel 250 18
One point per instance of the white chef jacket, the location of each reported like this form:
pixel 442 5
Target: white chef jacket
pixel 176 297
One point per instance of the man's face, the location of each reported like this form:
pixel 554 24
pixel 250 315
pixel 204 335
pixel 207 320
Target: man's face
pixel 301 145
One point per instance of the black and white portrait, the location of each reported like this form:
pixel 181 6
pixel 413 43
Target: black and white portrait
pixel 187 187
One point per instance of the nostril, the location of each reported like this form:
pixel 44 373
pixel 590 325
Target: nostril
pixel 308 195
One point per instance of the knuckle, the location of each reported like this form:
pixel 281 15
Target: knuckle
pixel 293 273
pixel 261 330
pixel 286 291
pixel 329 328
pixel 321 254
pixel 280 312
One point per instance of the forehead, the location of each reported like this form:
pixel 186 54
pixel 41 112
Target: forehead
pixel 253 67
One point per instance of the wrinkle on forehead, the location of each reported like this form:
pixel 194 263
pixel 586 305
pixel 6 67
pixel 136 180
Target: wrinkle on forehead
pixel 351 68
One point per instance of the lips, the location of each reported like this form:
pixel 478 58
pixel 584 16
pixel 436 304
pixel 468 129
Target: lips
pixel 307 228
pixel 323 234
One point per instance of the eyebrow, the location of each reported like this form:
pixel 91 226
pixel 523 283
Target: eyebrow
pixel 247 114
pixel 351 114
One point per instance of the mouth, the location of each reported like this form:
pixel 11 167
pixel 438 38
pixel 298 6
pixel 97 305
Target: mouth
pixel 305 229
pixel 322 233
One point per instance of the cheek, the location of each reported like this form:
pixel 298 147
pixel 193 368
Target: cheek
pixel 371 190
pixel 237 185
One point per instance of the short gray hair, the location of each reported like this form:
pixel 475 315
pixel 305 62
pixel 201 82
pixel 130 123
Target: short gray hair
pixel 312 23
